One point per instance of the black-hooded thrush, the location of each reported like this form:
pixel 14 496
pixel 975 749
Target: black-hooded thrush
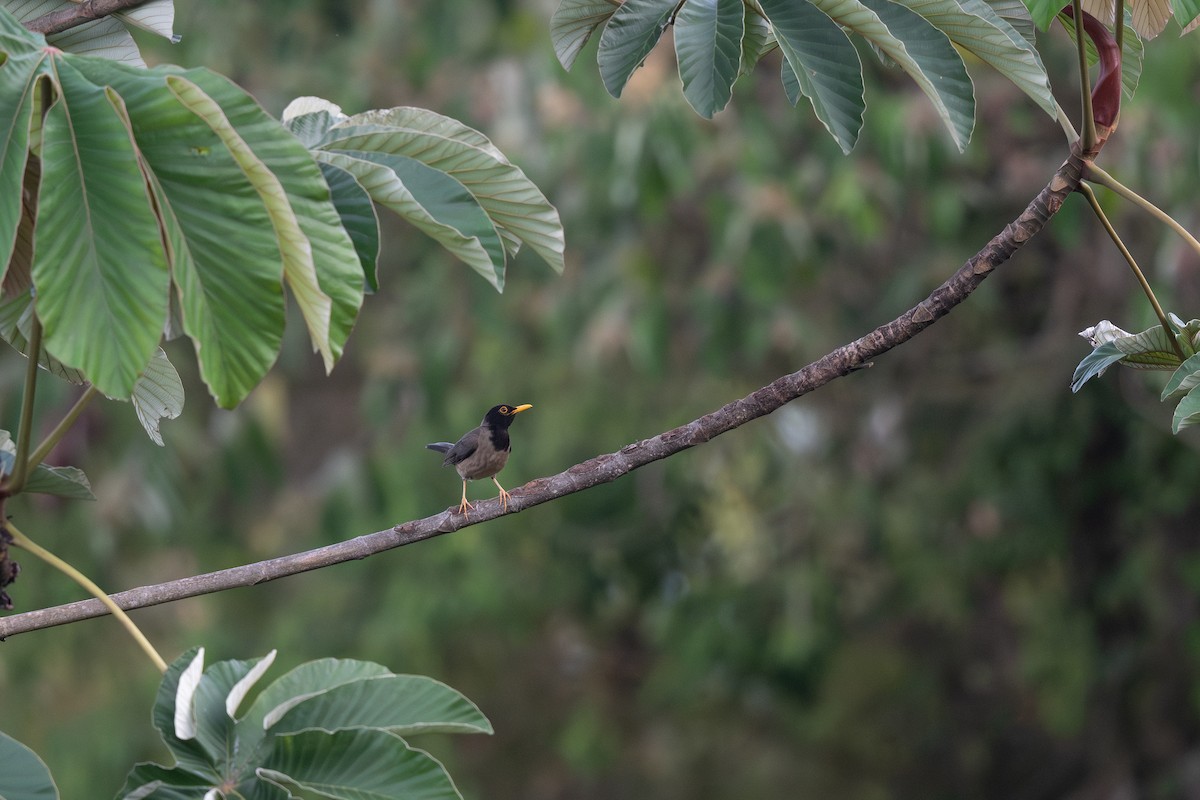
pixel 482 452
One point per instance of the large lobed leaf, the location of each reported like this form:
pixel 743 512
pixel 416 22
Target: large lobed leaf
pixel 442 176
pixel 328 728
pixel 151 181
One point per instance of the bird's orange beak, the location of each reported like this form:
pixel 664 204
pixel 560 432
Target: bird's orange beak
pixel 521 408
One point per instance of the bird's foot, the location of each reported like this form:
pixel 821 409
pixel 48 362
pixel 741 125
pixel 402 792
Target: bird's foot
pixel 504 500
pixel 464 507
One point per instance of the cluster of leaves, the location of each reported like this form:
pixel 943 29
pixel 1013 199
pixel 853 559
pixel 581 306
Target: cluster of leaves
pixel 137 203
pixel 1150 349
pixel 328 728
pixel 718 41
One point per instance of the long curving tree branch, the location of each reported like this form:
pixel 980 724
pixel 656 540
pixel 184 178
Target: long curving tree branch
pixel 82 12
pixel 608 468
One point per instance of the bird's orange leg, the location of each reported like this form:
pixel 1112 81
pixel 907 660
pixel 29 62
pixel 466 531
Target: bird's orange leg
pixel 464 506
pixel 503 494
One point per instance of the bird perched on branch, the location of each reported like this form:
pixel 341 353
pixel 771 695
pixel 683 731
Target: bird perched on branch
pixel 483 451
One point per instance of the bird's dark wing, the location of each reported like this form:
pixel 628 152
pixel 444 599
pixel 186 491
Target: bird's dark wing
pixel 463 448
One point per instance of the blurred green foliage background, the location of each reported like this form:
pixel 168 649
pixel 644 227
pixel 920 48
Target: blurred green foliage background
pixel 941 577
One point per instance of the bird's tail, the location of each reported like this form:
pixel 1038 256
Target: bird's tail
pixel 441 447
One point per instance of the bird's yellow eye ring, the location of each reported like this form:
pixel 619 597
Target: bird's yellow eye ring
pixel 503 409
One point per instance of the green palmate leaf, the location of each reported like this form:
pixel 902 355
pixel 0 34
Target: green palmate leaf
pixel 256 756
pixel 922 51
pixel 224 258
pixel 517 208
pixel 432 201
pixel 358 216
pixel 573 23
pixel 629 37
pixel 826 66
pixel 356 763
pixel 1187 413
pixel 975 27
pixel 403 704
pixel 157 395
pixel 23 775
pixel 708 45
pixel 99 265
pixel 238 197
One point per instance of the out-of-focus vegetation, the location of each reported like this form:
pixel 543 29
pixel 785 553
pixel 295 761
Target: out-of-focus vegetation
pixel 944 576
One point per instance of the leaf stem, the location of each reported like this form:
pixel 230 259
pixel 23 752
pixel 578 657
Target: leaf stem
pixel 25 432
pixel 1133 265
pixel 1085 83
pixel 23 541
pixel 1119 25
pixel 60 430
pixel 1098 176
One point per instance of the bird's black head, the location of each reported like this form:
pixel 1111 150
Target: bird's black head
pixel 501 416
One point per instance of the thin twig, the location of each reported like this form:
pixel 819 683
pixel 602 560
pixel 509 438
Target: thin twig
pixel 1085 81
pixel 25 433
pixel 607 468
pixel 1087 192
pixel 23 541
pixel 1096 175
pixel 1119 25
pixel 60 430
